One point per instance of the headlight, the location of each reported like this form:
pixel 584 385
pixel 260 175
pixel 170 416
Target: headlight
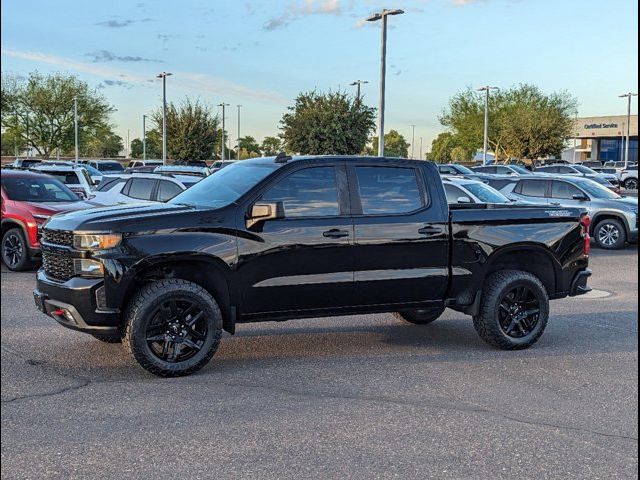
pixel 96 242
pixel 88 268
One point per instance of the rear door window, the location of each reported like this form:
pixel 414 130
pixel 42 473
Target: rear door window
pixel 532 188
pixel 388 190
pixel 167 190
pixel 564 190
pixel 140 188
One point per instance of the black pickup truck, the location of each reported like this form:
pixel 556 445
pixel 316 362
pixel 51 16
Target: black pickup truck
pixel 282 238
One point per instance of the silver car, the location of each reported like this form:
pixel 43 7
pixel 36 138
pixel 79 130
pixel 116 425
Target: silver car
pixel 614 219
pixel 579 171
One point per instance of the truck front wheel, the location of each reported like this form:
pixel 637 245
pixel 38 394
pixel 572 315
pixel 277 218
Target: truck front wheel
pixel 420 317
pixel 514 310
pixel 173 327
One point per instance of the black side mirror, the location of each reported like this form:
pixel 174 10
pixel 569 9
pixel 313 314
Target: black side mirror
pixel 261 212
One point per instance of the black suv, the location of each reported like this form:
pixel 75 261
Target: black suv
pixel 281 238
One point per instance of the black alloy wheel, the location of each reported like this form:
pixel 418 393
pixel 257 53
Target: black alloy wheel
pixel 519 312
pixel 14 250
pixel 177 330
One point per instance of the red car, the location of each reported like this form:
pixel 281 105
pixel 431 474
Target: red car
pixel 28 200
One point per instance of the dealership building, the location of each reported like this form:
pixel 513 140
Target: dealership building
pixel 603 138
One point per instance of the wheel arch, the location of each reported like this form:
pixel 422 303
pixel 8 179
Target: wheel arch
pixel 211 273
pixel 608 215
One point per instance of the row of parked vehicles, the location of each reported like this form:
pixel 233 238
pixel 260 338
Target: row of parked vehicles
pixel 31 193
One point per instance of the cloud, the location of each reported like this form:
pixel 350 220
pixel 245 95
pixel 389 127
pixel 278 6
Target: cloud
pixel 106 56
pixel 190 81
pixel 115 83
pixel 301 8
pixel 115 23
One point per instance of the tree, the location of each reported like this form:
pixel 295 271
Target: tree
pixel 395 145
pixel 103 144
pixel 192 130
pixel 154 146
pixel 271 146
pixel 40 110
pixel 523 121
pixel 12 143
pixel 322 124
pixel 446 148
pixel 136 148
pixel 249 148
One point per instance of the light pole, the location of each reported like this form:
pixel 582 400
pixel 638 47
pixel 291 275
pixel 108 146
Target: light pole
pixel 144 137
pixel 222 155
pixel 238 155
pixel 413 139
pixel 75 124
pixel 128 143
pixel 383 71
pixel 357 84
pixel 164 76
pixel 420 148
pixel 575 140
pixel 485 147
pixel 626 147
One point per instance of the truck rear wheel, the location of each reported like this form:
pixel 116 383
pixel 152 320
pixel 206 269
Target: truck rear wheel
pixel 173 327
pixel 514 311
pixel 421 316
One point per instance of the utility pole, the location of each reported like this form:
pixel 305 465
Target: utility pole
pixel 626 147
pixel 75 124
pixel 357 84
pixel 238 155
pixel 413 138
pixel 144 137
pixel 164 76
pixel 420 148
pixel 223 153
pixel 383 71
pixel 485 147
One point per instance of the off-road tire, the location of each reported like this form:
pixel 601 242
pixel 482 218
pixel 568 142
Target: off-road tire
pixel 486 322
pixel 137 316
pixel 422 316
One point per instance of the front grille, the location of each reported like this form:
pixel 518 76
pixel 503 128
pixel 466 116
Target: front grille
pixel 58 237
pixel 57 266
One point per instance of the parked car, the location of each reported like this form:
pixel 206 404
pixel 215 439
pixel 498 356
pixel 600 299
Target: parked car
pixel 591 164
pixel 144 163
pixel 281 238
pixel 28 200
pixel 463 191
pixel 138 188
pixel 582 171
pixel 95 174
pixel 107 167
pixel 454 169
pixel 504 170
pixel 183 170
pixel 629 178
pixel 75 178
pixel 614 218
pixel 25 162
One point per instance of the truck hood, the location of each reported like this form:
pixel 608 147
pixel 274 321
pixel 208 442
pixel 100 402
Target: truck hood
pixel 53 208
pixel 124 218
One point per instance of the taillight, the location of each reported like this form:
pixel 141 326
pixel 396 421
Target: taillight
pixel 585 223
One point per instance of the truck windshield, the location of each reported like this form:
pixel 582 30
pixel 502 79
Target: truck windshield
pixel 37 190
pixel 225 186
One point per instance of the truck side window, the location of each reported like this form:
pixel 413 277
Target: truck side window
pixel 140 188
pixel 388 190
pixel 310 192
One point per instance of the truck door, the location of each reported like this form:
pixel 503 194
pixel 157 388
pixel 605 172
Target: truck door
pixel 401 251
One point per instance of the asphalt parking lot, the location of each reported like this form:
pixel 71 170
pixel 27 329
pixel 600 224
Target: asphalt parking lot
pixel 350 397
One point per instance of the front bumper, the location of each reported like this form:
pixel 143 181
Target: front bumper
pixel 76 304
pixel 579 284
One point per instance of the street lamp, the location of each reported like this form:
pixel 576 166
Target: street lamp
pixel 485 147
pixel 144 137
pixel 383 70
pixel 357 84
pixel 238 155
pixel 626 148
pixel 413 139
pixel 164 76
pixel 75 124
pixel 223 105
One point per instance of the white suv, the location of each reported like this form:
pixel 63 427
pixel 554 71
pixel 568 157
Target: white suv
pixel 138 188
pixel 629 178
pixel 75 177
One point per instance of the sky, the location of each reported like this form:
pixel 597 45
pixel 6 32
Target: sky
pixel 261 54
